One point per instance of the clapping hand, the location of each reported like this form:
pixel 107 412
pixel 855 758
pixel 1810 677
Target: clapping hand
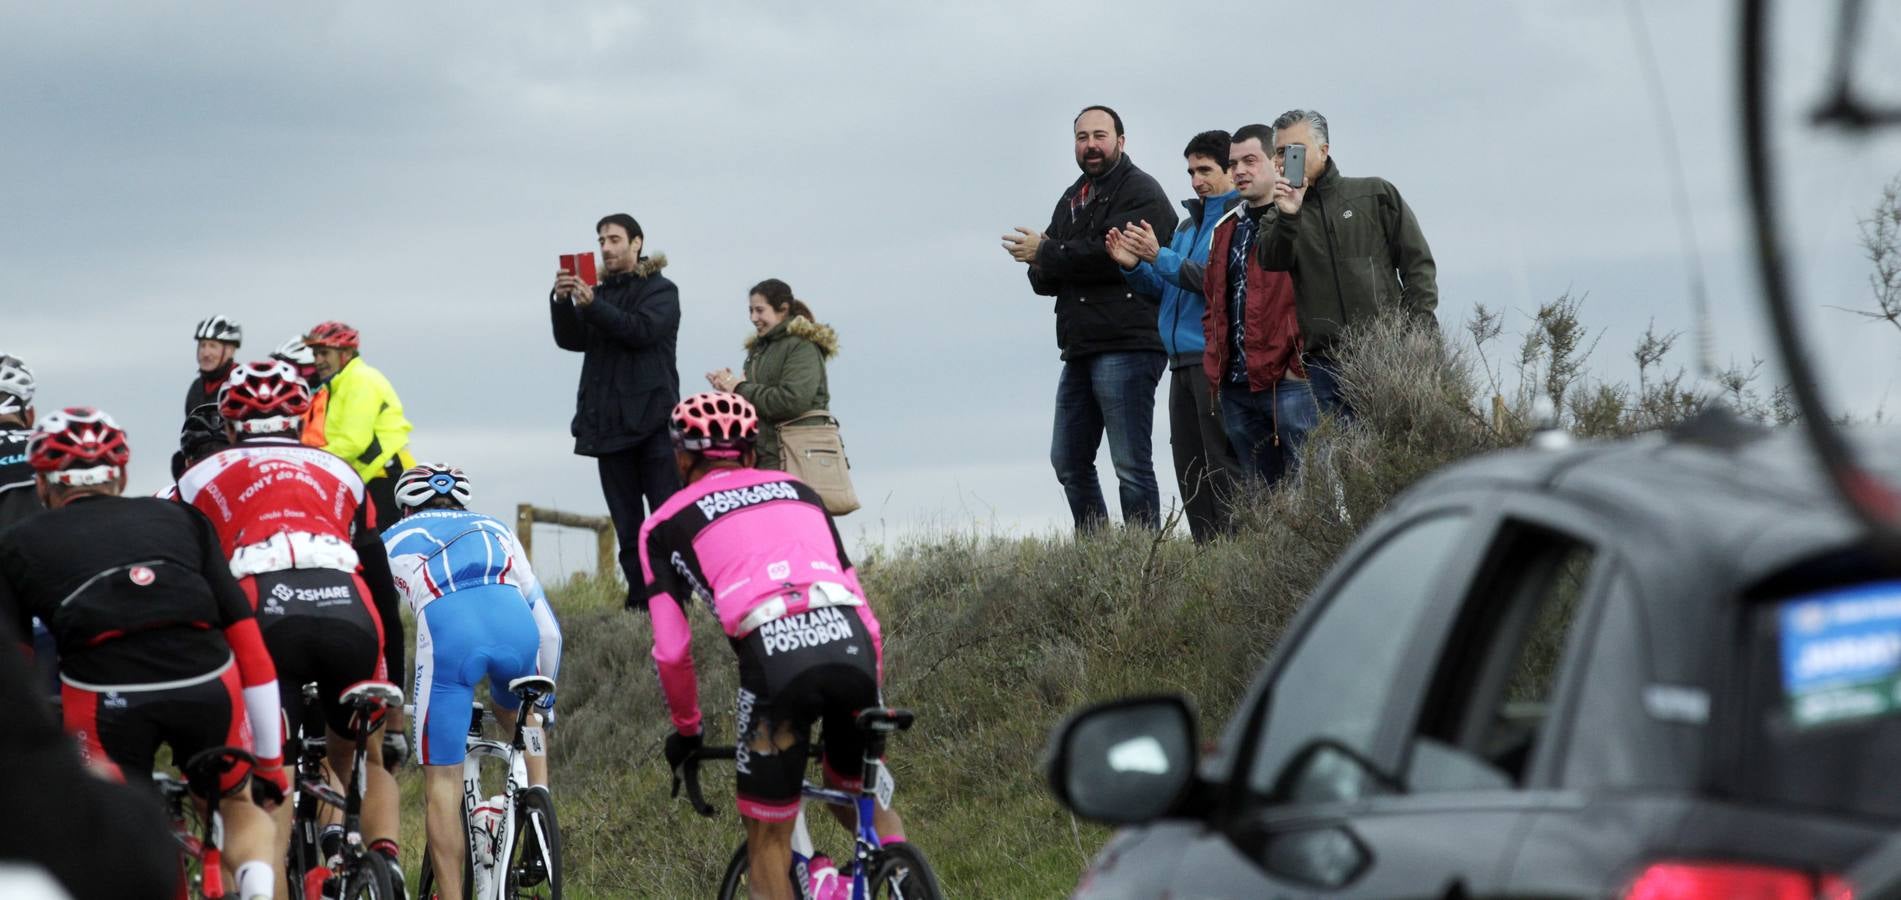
pixel 1142 241
pixel 1117 243
pixel 1023 244
pixel 723 380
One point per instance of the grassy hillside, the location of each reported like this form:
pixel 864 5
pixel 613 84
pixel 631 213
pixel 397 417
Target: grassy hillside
pixel 992 640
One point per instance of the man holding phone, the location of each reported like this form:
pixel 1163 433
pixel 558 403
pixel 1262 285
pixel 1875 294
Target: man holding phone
pixel 626 328
pixel 1353 247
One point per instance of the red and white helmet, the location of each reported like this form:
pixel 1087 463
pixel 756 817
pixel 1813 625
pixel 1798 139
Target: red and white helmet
pixel 332 334
pixel 78 445
pixel 264 397
pixel 299 355
pixel 715 425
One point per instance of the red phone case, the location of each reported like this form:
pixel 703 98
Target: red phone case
pixel 588 275
pixel 567 263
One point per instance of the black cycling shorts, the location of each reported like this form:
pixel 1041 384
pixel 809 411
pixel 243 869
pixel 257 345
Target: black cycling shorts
pixel 119 731
pixel 319 626
pixel 817 666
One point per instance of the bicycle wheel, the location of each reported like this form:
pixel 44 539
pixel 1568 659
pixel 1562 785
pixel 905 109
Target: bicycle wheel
pixel 534 862
pixel 187 825
pixel 901 871
pixel 368 879
pixel 733 885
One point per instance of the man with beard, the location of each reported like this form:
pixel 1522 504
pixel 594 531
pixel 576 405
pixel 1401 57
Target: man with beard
pixel 1112 354
pixel 626 330
pixel 218 339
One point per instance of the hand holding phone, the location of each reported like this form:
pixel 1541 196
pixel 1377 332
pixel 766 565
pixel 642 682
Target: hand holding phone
pixel 1294 164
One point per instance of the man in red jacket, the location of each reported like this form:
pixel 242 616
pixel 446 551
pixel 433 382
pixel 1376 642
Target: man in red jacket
pixel 1253 337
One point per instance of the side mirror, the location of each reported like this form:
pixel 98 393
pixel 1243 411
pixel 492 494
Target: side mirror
pixel 1328 771
pixel 1125 761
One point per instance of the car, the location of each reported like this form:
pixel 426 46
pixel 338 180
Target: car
pixel 1663 666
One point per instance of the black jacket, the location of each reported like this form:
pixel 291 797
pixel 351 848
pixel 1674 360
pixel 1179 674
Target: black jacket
pixel 1096 310
pixel 204 388
pixel 629 379
pixel 1354 249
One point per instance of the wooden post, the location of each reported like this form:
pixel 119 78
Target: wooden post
pixel 525 528
pixel 607 553
pixel 1498 414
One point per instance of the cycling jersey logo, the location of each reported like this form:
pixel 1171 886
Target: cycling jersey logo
pixel 812 628
pixel 719 503
pixel 742 757
pixel 112 700
pixel 779 571
pixel 142 575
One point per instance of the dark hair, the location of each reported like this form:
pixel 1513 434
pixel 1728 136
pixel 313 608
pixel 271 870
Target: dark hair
pixel 1112 117
pixel 1256 132
pixel 778 295
pixel 1212 144
pixel 624 220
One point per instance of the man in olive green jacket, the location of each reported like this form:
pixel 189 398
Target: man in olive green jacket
pixel 785 378
pixel 1352 244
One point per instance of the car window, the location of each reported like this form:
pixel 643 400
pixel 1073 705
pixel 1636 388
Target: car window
pixel 1492 691
pixel 1336 683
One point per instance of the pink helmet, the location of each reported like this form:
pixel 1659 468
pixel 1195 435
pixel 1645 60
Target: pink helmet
pixel 714 425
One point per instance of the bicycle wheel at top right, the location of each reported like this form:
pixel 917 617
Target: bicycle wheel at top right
pixel 902 873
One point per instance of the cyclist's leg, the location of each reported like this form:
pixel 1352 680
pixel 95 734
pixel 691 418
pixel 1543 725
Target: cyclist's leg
pixel 537 763
pixel 769 852
pixel 352 651
pixel 211 715
pixel 442 697
pixel 849 689
pixel 773 726
pixel 283 637
pixel 442 824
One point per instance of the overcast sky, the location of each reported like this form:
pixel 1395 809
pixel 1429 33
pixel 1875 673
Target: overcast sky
pixel 414 169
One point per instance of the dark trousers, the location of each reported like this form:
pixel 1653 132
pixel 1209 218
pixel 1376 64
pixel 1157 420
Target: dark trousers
pixel 1112 393
pixel 1205 466
pixel 645 470
pixel 1267 428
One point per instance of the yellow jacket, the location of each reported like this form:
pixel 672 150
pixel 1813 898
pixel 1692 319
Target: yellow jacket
pixel 364 423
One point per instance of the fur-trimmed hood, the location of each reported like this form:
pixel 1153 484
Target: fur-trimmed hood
pixel 822 336
pixel 648 266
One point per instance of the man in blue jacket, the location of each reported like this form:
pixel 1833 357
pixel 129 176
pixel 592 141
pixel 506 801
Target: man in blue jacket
pixel 1205 466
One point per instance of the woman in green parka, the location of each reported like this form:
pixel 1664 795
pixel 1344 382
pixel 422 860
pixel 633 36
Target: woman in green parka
pixel 785 364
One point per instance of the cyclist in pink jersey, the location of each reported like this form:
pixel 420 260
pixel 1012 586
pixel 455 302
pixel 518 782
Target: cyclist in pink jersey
pixel 759 550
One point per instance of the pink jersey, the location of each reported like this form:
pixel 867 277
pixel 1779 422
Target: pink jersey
pixel 754 546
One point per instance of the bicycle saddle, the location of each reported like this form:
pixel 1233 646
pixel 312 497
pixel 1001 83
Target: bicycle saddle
pixel 538 685
pixel 372 693
pixel 885 720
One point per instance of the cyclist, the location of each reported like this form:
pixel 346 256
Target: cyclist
pixel 156 642
pixel 201 435
pixel 304 360
pixel 294 524
pixel 758 548
pixel 218 341
pixel 17 497
pixel 480 612
pixel 364 421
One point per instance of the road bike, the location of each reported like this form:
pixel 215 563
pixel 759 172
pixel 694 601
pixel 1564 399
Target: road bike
pixel 514 840
pixel 350 870
pixel 191 805
pixel 876 869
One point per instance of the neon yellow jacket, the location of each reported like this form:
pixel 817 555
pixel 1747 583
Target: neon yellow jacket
pixel 364 423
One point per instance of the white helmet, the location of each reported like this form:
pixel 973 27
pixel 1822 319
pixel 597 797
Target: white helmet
pixel 295 352
pixel 425 481
pixel 220 328
pixel 16 385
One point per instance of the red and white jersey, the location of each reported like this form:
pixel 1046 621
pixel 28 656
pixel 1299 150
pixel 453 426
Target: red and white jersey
pixel 277 505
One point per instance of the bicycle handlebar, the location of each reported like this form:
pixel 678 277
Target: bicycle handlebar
pixel 688 774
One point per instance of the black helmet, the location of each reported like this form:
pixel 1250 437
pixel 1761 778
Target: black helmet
pixel 203 432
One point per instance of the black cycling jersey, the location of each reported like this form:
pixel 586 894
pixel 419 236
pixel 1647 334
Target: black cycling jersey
pixel 136 590
pixel 17 497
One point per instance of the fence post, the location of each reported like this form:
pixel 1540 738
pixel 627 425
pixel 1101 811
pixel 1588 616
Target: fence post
pixel 607 554
pixel 606 548
pixel 525 527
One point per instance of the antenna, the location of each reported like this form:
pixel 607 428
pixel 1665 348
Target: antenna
pixel 1703 327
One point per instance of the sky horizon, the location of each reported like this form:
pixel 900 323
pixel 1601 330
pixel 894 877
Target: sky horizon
pixel 415 171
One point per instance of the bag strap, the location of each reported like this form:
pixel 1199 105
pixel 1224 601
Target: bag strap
pixel 810 414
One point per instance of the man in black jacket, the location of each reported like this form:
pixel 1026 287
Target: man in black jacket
pixel 1112 355
pixel 626 330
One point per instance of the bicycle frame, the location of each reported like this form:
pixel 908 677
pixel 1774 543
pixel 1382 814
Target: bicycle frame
pixel 865 841
pixel 490 881
pixel 312 789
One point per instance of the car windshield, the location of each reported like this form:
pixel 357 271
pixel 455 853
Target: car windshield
pixel 1827 721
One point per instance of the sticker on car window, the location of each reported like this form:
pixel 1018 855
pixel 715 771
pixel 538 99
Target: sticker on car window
pixel 1841 654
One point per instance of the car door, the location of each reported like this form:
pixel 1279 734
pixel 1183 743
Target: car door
pixel 1316 734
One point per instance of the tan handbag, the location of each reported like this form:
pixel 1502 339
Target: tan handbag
pixel 813 452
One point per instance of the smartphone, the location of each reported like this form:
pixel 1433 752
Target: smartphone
pixel 1294 163
pixel 588 274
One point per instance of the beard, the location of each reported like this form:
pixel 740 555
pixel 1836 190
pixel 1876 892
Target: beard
pixel 1093 165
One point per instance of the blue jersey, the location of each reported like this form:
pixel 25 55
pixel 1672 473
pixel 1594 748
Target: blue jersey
pixel 437 552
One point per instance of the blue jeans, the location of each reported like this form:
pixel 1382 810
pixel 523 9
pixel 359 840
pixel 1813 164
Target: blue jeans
pixel 1112 392
pixel 1267 428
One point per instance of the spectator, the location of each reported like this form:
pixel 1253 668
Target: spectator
pixel 626 332
pixel 218 341
pixel 1112 357
pixel 785 364
pixel 1253 340
pixel 363 419
pixel 1352 245
pixel 301 357
pixel 1205 467
pixel 18 499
